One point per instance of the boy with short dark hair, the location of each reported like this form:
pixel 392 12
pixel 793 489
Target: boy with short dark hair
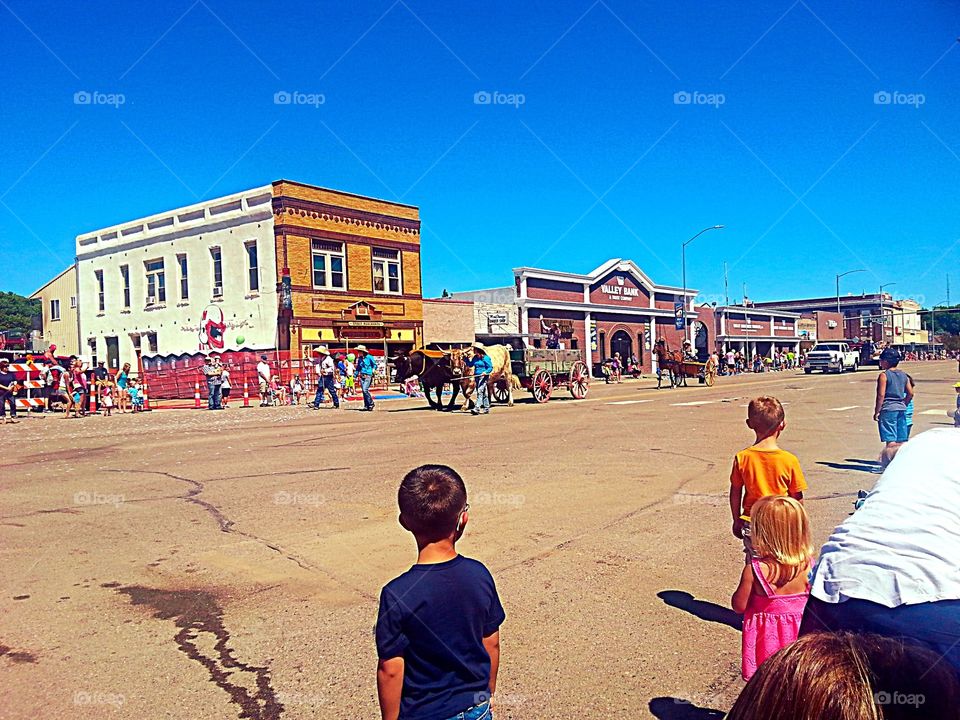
pixel 763 468
pixel 438 639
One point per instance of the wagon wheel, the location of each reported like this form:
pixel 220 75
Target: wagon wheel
pixel 709 378
pixel 499 391
pixel 579 380
pixel 542 386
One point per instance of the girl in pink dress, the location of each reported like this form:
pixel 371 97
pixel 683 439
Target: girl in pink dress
pixel 774 583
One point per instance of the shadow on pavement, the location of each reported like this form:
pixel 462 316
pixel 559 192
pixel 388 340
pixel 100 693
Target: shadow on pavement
pixel 863 462
pixel 861 467
pixel 703 609
pixel 671 708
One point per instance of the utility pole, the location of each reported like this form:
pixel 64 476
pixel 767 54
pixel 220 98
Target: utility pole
pixel 744 301
pixel 726 286
pixel 948 289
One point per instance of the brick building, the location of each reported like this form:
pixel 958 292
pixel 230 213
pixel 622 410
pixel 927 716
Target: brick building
pixel 348 268
pixel 616 308
pixel 751 330
pixel 447 323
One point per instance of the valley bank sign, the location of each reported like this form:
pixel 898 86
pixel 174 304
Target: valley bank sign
pixel 620 291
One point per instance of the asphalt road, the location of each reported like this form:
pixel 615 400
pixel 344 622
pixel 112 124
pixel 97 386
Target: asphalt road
pixel 227 565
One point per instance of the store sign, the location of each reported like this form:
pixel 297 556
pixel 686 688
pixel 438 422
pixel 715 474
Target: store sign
pixel 620 292
pixel 617 290
pixel 678 316
pixel 497 318
pixel 593 335
pixel 746 327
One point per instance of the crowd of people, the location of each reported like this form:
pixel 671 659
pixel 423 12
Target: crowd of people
pixel 866 629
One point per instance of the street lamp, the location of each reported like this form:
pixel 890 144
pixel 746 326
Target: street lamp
pixel 840 275
pixel 683 262
pixel 882 318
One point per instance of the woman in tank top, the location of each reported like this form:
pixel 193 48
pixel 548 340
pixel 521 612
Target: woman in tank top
pixel 894 393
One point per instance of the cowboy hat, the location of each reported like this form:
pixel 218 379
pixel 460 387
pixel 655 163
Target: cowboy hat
pixel 956 385
pixel 361 348
pixel 323 350
pixel 478 346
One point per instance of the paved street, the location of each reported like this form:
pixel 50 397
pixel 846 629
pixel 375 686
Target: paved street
pixel 223 565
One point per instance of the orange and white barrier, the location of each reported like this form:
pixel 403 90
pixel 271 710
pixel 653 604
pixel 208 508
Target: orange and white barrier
pixel 196 395
pixel 28 403
pixel 246 394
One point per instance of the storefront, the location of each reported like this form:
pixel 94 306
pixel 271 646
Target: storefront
pixel 755 331
pixel 616 308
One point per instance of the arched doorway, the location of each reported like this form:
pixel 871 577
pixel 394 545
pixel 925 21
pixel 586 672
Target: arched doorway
pixel 701 342
pixel 620 342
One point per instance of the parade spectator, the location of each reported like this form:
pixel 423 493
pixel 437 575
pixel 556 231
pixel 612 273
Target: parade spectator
pixel 123 378
pixel 482 367
pixel 51 381
pixel 213 372
pixel 79 387
pixel 616 366
pixel 263 381
pixel 762 469
pixel 773 585
pixel 438 625
pixel 136 396
pixel 891 567
pixel 731 362
pixel 225 387
pixel 350 370
pixel 366 367
pixel 894 393
pixel 296 390
pixel 8 392
pixel 845 676
pixel 956 413
pixel 63 390
pixel 325 370
pixel 107 392
pixel 908 413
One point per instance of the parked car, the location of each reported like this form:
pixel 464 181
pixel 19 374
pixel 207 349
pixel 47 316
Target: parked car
pixel 832 357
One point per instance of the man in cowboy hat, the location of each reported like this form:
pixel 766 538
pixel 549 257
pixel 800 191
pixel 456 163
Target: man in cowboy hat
pixel 366 367
pixel 263 380
pixel 8 392
pixel 482 367
pixel 325 368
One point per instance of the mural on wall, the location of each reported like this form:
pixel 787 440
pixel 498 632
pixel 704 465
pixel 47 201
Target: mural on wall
pixel 212 328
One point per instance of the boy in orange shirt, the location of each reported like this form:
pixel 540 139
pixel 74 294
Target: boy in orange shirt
pixel 763 468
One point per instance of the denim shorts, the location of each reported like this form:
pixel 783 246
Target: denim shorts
pixel 893 426
pixel 477 712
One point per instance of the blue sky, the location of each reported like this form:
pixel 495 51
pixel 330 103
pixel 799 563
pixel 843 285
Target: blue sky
pixel 587 152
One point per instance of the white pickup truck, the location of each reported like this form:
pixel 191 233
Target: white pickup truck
pixel 832 357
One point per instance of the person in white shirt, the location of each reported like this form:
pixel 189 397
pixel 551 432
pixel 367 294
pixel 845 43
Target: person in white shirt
pixel 325 368
pixel 893 567
pixel 263 379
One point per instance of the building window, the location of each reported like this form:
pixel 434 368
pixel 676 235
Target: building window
pixel 101 304
pixel 217 258
pixel 386 270
pixel 152 342
pixel 253 271
pixel 328 265
pixel 54 309
pixel 125 281
pixel 73 301
pixel 184 284
pixel 156 282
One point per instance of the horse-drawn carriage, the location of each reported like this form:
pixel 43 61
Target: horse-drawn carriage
pixel 678 367
pixel 542 371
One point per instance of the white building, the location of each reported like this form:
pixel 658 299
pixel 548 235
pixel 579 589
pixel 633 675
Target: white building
pixel 199 278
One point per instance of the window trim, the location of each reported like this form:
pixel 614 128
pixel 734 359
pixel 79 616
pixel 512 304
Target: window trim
pixel 159 276
pixel 125 280
pixel 101 295
pixel 253 270
pixel 328 271
pixel 183 276
pixel 215 261
pixel 54 303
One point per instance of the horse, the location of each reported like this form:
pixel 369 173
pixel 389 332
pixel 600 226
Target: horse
pixel 434 369
pixel 500 357
pixel 667 360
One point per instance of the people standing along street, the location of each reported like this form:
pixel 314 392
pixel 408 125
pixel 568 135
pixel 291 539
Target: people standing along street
pixel 366 367
pixel 263 381
pixel 123 379
pixel 482 367
pixel 894 393
pixel 8 392
pixel 325 370
pixel 225 387
pixel 213 371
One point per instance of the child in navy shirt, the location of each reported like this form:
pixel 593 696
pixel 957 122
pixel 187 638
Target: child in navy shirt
pixel 438 638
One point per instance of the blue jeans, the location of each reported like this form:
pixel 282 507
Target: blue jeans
pixel 365 381
pixel 326 383
pixel 477 712
pixel 483 393
pixel 213 396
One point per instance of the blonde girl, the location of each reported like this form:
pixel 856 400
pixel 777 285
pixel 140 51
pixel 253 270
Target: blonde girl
pixel 774 583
